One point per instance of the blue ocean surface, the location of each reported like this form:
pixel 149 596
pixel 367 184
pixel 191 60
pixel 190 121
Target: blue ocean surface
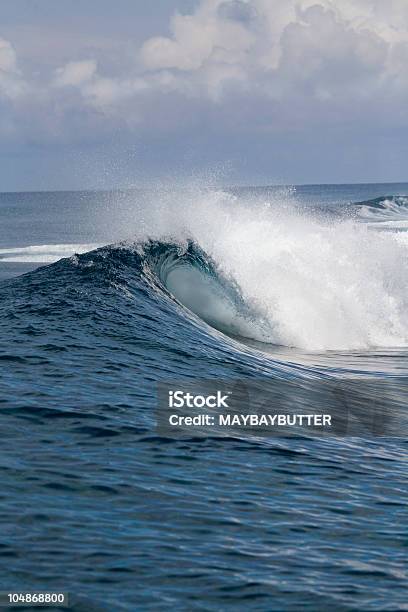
pixel 103 295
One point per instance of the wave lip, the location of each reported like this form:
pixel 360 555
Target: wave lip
pixel 43 253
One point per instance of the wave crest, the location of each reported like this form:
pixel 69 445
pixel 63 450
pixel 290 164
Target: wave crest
pixel 270 270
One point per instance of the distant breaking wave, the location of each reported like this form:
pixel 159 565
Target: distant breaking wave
pixel 43 253
pixel 388 210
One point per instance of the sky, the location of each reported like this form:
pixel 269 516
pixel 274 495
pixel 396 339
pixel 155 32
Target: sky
pixel 101 94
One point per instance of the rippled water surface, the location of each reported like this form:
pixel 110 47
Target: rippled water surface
pixel 266 285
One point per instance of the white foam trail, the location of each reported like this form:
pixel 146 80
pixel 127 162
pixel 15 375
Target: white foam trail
pixel 42 253
pixel 321 284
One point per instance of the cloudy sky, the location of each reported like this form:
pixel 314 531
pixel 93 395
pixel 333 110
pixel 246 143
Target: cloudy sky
pixel 99 93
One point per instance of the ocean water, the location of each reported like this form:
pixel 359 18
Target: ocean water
pixel 105 295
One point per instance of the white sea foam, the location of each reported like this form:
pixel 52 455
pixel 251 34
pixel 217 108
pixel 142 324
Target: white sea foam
pixel 321 283
pixel 42 253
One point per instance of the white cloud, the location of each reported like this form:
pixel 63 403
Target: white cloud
pixel 198 39
pixel 261 63
pixel 103 93
pixel 277 46
pixel 8 60
pixel 75 73
pixel 11 83
pixel 100 92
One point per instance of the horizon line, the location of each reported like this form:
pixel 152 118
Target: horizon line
pixel 245 186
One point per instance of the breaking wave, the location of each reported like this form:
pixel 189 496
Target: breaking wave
pixel 301 279
pixel 272 271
